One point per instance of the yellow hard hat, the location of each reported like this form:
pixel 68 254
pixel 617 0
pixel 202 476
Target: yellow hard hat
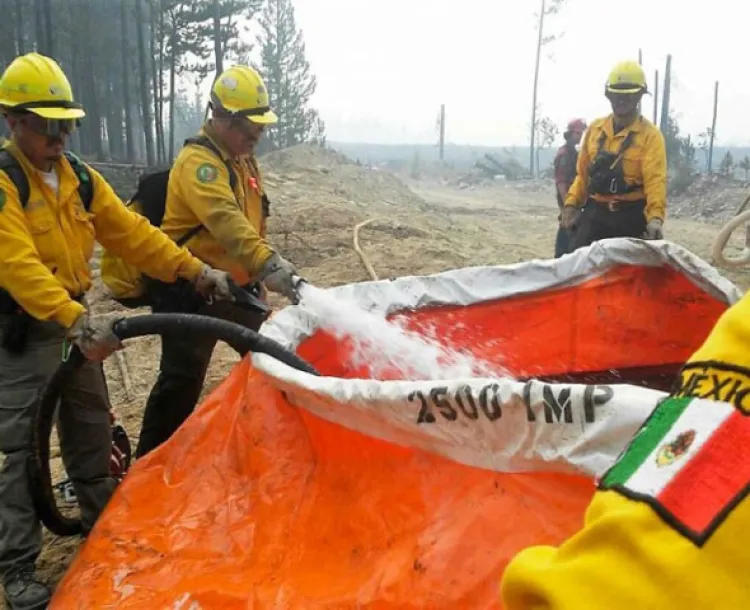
pixel 37 83
pixel 627 77
pixel 241 90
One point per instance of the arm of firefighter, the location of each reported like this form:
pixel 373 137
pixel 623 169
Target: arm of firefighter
pixel 623 536
pixel 654 169
pixel 22 272
pixel 131 237
pixel 577 192
pixel 204 184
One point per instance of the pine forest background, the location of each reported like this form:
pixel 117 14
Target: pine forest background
pixel 142 68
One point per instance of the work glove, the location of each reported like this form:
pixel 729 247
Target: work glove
pixel 653 229
pixel 214 283
pixel 94 337
pixel 278 276
pixel 570 216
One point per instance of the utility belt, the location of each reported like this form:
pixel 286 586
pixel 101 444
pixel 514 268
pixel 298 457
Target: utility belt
pixel 181 297
pixel 616 205
pixel 18 323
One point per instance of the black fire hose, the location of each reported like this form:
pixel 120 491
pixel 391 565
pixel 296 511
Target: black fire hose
pixel 242 339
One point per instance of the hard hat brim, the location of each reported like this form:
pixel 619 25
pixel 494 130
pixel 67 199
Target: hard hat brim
pixel 58 113
pixel 633 89
pixel 267 118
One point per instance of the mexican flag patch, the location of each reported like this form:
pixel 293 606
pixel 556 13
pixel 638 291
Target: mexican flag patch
pixel 690 462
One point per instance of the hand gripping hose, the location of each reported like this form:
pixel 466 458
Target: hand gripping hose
pixel 242 339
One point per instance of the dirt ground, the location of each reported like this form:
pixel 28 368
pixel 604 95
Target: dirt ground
pixel 426 228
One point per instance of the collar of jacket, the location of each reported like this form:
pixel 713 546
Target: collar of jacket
pixel 209 131
pixel 609 126
pixel 62 166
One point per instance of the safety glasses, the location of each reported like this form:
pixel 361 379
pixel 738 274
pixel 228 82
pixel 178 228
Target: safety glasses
pixel 245 125
pixel 50 127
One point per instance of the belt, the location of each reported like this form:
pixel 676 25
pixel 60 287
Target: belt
pixel 615 205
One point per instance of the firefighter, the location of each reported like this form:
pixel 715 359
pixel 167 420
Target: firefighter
pixel 565 172
pixel 52 209
pixel 215 196
pixel 621 186
pixel 676 537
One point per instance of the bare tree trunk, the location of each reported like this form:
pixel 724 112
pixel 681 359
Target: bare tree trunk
pixel 50 41
pixel 172 76
pixel 218 52
pixel 156 33
pixel 20 38
pixel 713 127
pixel 161 82
pixel 536 85
pixel 129 144
pixel 39 36
pixel 143 73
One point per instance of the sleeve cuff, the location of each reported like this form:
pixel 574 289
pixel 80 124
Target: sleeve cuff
pixel 192 268
pixel 69 313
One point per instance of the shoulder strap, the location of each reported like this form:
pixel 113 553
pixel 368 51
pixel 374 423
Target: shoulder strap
pixel 10 165
pixel 85 186
pixel 627 141
pixel 206 142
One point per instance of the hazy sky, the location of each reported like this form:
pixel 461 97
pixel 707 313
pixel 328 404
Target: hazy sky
pixel 385 66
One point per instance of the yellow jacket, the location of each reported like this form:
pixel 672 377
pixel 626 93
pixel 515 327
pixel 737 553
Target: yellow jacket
pixel 45 248
pixel 644 164
pixel 626 556
pixel 199 193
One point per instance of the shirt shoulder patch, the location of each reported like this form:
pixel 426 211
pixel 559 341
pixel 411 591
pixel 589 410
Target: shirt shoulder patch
pixel 206 173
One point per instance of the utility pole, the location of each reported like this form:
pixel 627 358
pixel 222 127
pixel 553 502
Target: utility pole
pixel 656 95
pixel 640 63
pixel 536 84
pixel 442 131
pixel 665 95
pixel 713 126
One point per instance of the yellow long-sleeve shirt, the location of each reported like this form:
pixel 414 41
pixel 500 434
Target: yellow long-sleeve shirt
pixel 45 247
pixel 627 556
pixel 644 164
pixel 199 193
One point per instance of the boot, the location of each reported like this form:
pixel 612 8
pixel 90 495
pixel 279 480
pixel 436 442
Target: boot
pixel 24 592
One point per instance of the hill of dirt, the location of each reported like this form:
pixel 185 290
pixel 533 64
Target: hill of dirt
pixel 711 198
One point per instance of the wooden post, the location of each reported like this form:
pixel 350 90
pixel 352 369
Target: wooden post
pixel 442 131
pixel 665 95
pixel 656 95
pixel 713 127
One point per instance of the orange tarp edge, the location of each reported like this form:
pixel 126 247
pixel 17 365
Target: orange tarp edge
pixel 256 504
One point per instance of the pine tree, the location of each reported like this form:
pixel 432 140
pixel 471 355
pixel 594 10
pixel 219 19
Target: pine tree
pixel 288 78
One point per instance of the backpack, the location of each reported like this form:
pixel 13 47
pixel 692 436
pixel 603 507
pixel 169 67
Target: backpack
pixel 12 168
pixel 125 281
